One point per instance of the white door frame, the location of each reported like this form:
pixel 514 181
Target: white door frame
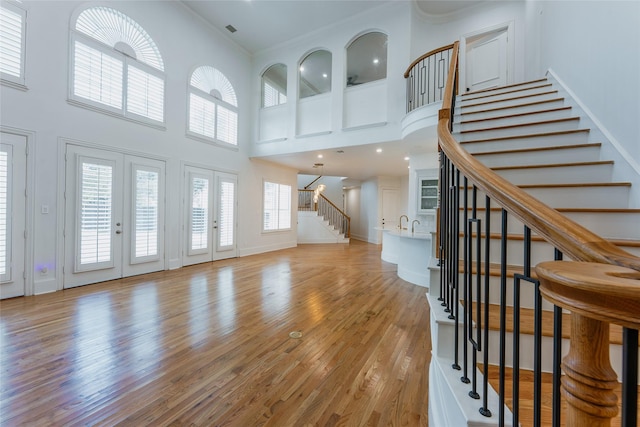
pixel 61 205
pixel 29 204
pixel 511 57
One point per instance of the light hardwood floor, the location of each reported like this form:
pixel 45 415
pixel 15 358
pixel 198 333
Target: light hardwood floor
pixel 209 345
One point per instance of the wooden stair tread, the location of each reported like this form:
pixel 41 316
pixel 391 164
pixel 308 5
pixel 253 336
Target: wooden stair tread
pixel 534 149
pixel 509 116
pixel 569 185
pixel 503 87
pixel 529 135
pixel 574 210
pixel 509 99
pixel 519 125
pixel 554 165
pixel 526 396
pixel 527 319
pixel 527 104
pixel 547 85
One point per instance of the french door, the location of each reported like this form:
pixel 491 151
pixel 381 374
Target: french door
pixel 210 212
pixel 13 173
pixel 114 216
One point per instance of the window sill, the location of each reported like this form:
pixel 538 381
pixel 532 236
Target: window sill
pixel 211 141
pixel 104 111
pixel 14 85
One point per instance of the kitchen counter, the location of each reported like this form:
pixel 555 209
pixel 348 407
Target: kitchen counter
pixel 411 252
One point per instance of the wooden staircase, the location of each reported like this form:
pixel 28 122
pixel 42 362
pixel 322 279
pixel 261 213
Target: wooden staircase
pixel 526 134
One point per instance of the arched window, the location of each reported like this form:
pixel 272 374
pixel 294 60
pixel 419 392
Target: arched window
pixel 116 66
pixel 367 59
pixel 315 74
pixel 213 107
pixel 274 85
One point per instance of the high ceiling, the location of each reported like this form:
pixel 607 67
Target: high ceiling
pixel 262 24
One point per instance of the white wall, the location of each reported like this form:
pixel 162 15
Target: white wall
pixel 594 47
pixel 184 42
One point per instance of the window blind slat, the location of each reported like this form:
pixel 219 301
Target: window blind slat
pixel 145 94
pixel 11 42
pixel 97 76
pixel 95 213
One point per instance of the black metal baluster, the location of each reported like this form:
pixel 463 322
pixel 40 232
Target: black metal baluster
pixel 629 377
pixel 456 276
pixel 465 281
pixel 557 357
pixel 477 342
pixel 484 410
pixel 503 316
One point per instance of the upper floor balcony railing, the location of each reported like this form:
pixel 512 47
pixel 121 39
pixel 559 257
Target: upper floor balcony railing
pixel 427 77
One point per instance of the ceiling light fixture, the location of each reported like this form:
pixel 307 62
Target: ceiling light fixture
pixel 378 150
pixel 407 158
pixel 376 60
pixel 320 156
pixel 301 68
pixel 324 75
pixel 231 28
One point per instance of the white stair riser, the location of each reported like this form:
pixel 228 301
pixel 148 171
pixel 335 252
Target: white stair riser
pixel 559 175
pixel 493 111
pixel 577 197
pixel 480 106
pixel 472 95
pixel 527 295
pixel 513 120
pixel 611 225
pixel 529 129
pixel 540 251
pixel 528 142
pixel 583 154
pixel 507 93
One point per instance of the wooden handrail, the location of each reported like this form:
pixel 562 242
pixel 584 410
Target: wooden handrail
pixel 426 55
pixel 601 285
pixel 335 207
pixel 577 242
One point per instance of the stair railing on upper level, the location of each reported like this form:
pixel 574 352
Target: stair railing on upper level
pixel 426 77
pixel 325 208
pixel 609 292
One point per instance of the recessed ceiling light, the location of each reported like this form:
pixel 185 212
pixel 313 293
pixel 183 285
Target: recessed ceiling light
pixel 301 68
pixel 376 60
pixel 378 150
pixel 320 156
pixel 406 158
pixel 324 75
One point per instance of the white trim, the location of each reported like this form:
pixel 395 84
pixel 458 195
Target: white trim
pixel 310 135
pixel 29 288
pixel 614 142
pixel 369 125
pixel 18 82
pixel 266 141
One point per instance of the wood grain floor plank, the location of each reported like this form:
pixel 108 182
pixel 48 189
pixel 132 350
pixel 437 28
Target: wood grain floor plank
pixel 209 345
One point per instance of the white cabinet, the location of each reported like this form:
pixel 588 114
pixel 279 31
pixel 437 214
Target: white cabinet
pixel 427 193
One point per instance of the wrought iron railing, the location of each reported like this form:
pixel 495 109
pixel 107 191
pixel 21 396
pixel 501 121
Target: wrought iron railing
pixel 469 193
pixel 309 201
pixel 426 78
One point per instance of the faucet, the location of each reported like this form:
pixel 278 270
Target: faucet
pixel 400 222
pixel 414 223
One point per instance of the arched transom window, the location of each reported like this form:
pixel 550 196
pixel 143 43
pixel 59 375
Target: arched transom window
pixel 315 74
pixel 213 106
pixel 367 59
pixel 116 66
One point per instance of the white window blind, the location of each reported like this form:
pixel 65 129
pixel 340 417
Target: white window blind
pixel 272 96
pixel 227 206
pixel 5 217
pixel 11 41
pixel 202 116
pixel 96 197
pixel 146 213
pixel 199 213
pixel 277 206
pixel 227 125
pixel 97 76
pixel 145 94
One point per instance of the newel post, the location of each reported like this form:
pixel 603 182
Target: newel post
pixel 596 295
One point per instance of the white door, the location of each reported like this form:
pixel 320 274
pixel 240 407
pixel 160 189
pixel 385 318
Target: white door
pixel 13 172
pixel 390 213
pixel 114 220
pixel 486 60
pixel 210 212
